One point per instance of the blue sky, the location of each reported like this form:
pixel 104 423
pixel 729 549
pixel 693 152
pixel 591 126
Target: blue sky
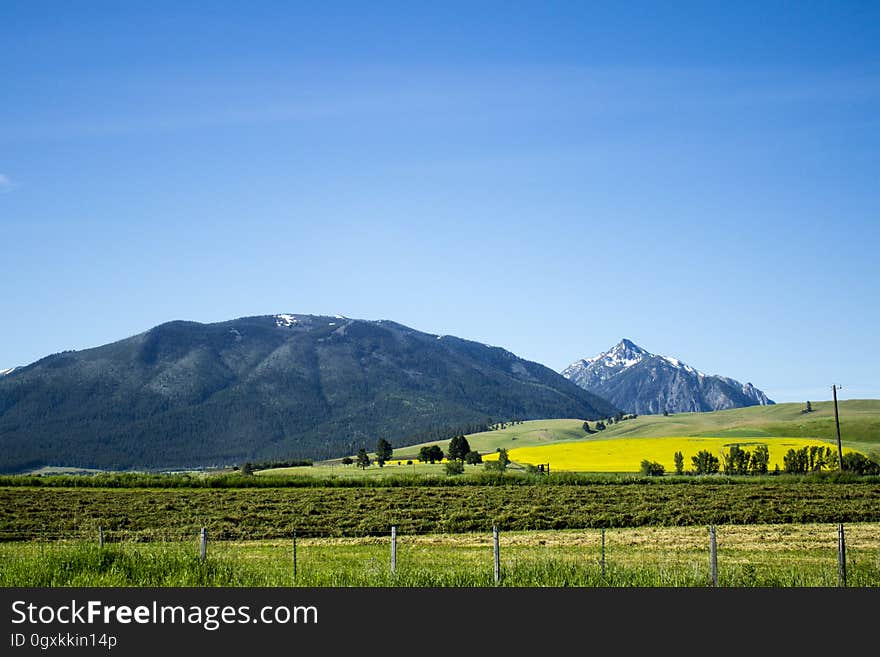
pixel 545 177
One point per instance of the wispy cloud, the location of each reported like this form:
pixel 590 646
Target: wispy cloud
pixel 5 183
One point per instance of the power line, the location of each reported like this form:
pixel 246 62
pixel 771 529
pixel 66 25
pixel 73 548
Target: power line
pixel 837 424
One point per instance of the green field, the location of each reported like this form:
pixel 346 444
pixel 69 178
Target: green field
pixel 773 530
pixel 859 423
pixel 393 469
pixel 523 434
pixel 27 513
pixel 859 427
pixel 748 556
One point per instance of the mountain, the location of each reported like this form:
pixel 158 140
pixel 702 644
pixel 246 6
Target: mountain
pixel 185 394
pixel 638 381
pixel 7 371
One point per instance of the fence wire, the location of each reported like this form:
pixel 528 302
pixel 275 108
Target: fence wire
pixel 743 555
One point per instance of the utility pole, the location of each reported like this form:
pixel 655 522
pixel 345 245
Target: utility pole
pixel 837 424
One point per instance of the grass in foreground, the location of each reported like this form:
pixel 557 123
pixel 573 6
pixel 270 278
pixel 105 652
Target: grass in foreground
pixel 760 555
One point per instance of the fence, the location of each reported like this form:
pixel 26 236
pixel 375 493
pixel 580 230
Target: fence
pixel 732 555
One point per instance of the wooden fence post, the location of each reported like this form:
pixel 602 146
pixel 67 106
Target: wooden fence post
pixel 393 550
pixel 841 556
pixel 603 553
pixel 203 543
pixel 294 555
pixel 713 555
pixel 497 555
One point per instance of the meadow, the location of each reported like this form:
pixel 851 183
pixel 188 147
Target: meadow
pixel 773 530
pixel 148 514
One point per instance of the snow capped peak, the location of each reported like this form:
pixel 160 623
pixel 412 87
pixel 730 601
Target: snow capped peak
pixel 622 355
pixel 285 321
pixel 638 381
pixel 629 345
pixel 7 371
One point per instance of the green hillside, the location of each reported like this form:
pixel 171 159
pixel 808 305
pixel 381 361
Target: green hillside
pixel 522 434
pixel 859 423
pixel 859 427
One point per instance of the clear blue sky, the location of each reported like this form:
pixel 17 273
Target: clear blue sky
pixel 548 177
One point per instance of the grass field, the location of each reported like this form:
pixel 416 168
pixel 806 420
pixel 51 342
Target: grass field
pixel 394 468
pixel 265 513
pixel 859 423
pixel 523 434
pixel 757 555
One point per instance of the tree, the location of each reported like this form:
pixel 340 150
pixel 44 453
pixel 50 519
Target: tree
pixel 454 467
pixel 652 468
pixel 587 428
pixel 458 448
pixel 247 468
pixel 383 452
pixel 760 460
pixel 809 459
pixel 679 463
pixel 430 454
pixel 600 426
pixel 809 407
pixel 347 460
pixel 499 464
pixel 705 462
pixel 473 458
pixel 736 460
pixel 363 459
pixel 796 461
pixel 860 464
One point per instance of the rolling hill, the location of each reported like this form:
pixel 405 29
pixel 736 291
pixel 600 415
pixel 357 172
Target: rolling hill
pixel 859 427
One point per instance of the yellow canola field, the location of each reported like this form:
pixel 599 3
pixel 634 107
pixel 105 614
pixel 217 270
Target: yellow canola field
pixel 626 454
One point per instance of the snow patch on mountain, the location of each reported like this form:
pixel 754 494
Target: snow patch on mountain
pixel 684 366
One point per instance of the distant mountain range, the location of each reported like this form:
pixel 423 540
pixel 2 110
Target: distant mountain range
pixel 638 381
pixel 185 394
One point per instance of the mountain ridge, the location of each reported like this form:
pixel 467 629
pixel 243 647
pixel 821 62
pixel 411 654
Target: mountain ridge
pixel 187 394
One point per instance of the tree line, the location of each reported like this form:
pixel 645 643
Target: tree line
pixel 739 461
pixel 601 425
pixel 457 455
